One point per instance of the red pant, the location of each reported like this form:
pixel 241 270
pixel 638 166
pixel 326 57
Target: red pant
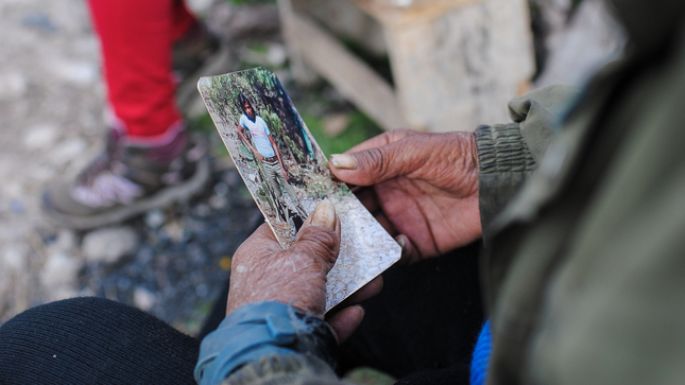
pixel 136 38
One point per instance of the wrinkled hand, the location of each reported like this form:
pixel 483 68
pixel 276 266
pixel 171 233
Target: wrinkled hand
pixel 422 187
pixel 263 271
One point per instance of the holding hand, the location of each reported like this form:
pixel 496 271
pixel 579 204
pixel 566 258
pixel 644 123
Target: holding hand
pixel 422 187
pixel 263 271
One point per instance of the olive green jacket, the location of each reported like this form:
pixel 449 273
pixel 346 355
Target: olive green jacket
pixel 584 265
pixel 584 268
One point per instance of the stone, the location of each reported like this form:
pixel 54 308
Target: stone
pixel 202 210
pixel 67 150
pixel 60 293
pixel 60 273
pixel 13 188
pixel 39 21
pixel 123 284
pixel 144 299
pixel 217 202
pixel 13 85
pixel 17 207
pixel 200 7
pixel 221 189
pixel 42 136
pixel 77 73
pixel 155 219
pixel 65 241
pixel 109 245
pixel 174 230
pixel 13 259
pixel 202 290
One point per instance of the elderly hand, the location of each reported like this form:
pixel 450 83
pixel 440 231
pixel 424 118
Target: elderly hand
pixel 422 187
pixel 263 271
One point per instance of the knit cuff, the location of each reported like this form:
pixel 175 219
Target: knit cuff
pixel 504 161
pixel 502 149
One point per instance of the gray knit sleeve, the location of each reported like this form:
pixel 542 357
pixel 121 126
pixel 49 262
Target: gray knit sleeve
pixel 508 153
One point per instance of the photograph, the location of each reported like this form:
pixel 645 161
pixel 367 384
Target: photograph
pixel 286 172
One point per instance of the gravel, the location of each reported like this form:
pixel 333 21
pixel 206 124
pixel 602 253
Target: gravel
pixel 47 120
pixel 52 103
pixel 60 275
pixel 109 245
pixel 178 267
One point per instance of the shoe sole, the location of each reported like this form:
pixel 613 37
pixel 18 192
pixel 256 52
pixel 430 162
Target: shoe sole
pixel 164 198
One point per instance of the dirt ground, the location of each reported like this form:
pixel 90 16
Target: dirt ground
pixel 51 103
pixel 170 262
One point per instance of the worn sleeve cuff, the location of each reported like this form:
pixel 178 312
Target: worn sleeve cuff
pixel 504 162
pixel 261 330
pixel 296 369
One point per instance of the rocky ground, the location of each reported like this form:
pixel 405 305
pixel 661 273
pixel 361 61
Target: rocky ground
pixel 51 103
pixel 171 262
pixel 174 262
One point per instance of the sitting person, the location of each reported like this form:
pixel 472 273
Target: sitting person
pixel 579 205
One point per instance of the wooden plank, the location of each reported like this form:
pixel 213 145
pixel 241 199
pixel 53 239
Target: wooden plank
pixel 350 76
pixel 301 72
pixel 345 20
pixel 458 70
pixel 408 11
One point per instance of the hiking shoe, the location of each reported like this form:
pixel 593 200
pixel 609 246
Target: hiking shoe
pixel 128 179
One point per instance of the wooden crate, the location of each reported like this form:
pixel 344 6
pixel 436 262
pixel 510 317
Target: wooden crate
pixel 455 63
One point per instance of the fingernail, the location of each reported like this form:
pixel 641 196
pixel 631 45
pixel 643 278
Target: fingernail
pixel 324 215
pixel 402 240
pixel 344 161
pixel 361 311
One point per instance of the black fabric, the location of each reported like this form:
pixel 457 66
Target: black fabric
pixel 93 341
pixel 217 314
pixel 422 328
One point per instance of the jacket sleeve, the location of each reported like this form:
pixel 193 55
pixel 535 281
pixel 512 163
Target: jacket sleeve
pixel 268 343
pixel 508 153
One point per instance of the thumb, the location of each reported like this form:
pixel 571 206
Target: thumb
pixel 370 166
pixel 319 236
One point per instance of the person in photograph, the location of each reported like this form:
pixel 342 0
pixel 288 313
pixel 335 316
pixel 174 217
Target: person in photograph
pixel 270 162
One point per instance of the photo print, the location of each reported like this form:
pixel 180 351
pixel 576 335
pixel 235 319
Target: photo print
pixel 286 172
